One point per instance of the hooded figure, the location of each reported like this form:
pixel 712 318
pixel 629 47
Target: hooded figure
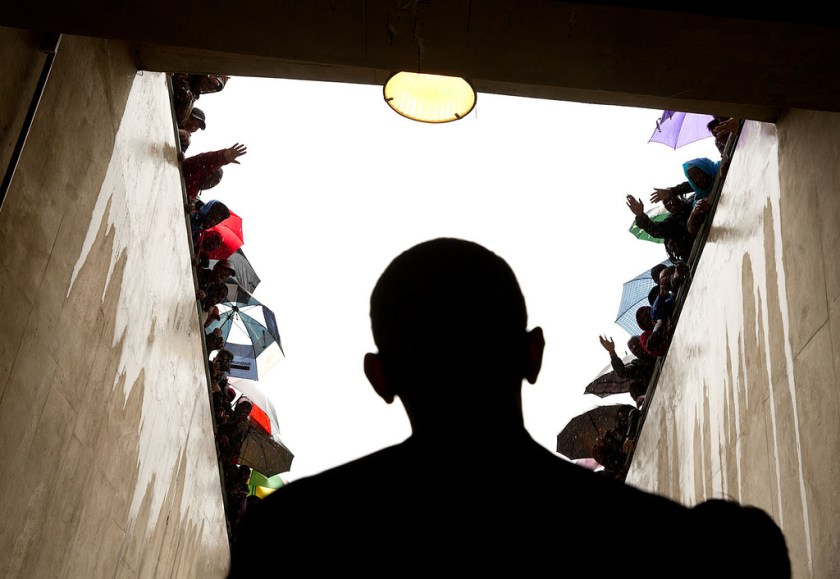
pixel 701 175
pixel 211 213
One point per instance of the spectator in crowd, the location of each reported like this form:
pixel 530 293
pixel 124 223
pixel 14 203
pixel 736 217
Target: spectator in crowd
pixel 220 272
pixel 187 88
pixel 700 178
pixel 722 128
pixel 207 216
pixel 215 294
pixel 204 171
pixel 678 241
pixel 639 370
pixel 654 338
pixel 195 121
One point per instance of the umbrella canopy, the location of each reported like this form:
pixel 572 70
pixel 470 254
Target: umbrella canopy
pixel 634 295
pixel 264 453
pixel 677 129
pixel 608 382
pixel 262 486
pixel 232 239
pixel 245 274
pixel 263 428
pixel 657 213
pixel 250 333
pixel 578 437
pixel 588 463
pixel 262 409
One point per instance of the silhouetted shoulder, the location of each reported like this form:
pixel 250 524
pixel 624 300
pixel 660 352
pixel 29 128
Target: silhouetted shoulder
pixel 399 510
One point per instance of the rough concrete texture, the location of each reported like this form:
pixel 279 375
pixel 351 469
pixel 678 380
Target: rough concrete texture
pixel 748 395
pixel 108 459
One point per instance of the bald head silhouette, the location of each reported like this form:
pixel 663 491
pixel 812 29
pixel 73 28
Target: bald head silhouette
pixel 449 320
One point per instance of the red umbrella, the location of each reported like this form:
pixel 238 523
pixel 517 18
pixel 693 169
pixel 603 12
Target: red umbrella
pixel 231 231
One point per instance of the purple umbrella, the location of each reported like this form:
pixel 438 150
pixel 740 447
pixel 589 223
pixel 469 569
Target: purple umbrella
pixel 677 129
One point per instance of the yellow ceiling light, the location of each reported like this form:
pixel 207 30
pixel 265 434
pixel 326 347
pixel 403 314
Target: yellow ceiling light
pixel 429 98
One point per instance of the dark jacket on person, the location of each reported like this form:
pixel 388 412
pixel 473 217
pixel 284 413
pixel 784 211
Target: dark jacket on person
pixel 672 229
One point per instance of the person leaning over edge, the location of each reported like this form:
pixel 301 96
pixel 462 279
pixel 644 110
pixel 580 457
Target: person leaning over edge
pixel 469 491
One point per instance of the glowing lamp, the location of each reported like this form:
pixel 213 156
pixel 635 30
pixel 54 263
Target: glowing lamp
pixel 429 98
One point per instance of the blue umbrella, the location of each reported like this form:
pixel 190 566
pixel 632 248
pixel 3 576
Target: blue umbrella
pixel 250 332
pixel 633 296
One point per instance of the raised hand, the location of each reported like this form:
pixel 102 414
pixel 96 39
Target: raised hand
pixel 635 205
pixel 232 153
pixel 661 195
pixel 607 343
pixel 727 126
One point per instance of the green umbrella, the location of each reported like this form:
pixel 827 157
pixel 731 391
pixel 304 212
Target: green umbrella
pixel 656 215
pixel 258 484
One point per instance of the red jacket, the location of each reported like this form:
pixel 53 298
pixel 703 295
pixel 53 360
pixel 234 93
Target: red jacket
pixel 195 168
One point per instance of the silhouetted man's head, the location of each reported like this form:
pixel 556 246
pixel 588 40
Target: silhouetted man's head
pixel 450 311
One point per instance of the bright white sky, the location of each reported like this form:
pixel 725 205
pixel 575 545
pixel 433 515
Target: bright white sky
pixel 335 185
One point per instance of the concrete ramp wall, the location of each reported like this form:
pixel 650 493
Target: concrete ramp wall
pixel 109 466
pixel 747 406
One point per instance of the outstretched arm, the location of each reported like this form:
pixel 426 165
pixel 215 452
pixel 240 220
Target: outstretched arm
pixel 608 344
pixel 234 152
pixel 663 194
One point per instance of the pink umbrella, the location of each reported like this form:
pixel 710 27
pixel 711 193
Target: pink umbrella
pixel 232 239
pixel 677 129
pixel 588 463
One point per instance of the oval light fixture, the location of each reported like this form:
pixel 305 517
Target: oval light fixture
pixel 429 98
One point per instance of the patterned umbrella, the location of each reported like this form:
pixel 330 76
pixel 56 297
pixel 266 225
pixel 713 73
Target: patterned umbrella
pixel 250 333
pixel 634 295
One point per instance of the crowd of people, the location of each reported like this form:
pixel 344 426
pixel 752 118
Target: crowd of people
pixel 214 272
pixel 687 205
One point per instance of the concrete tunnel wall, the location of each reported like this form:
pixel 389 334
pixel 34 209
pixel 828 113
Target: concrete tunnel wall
pixel 109 466
pixel 747 405
pixel 108 463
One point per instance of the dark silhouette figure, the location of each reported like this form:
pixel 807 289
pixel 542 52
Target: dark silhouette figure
pixel 469 492
pixel 756 546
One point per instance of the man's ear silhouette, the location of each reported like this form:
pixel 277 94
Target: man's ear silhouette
pixel 378 379
pixel 534 354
